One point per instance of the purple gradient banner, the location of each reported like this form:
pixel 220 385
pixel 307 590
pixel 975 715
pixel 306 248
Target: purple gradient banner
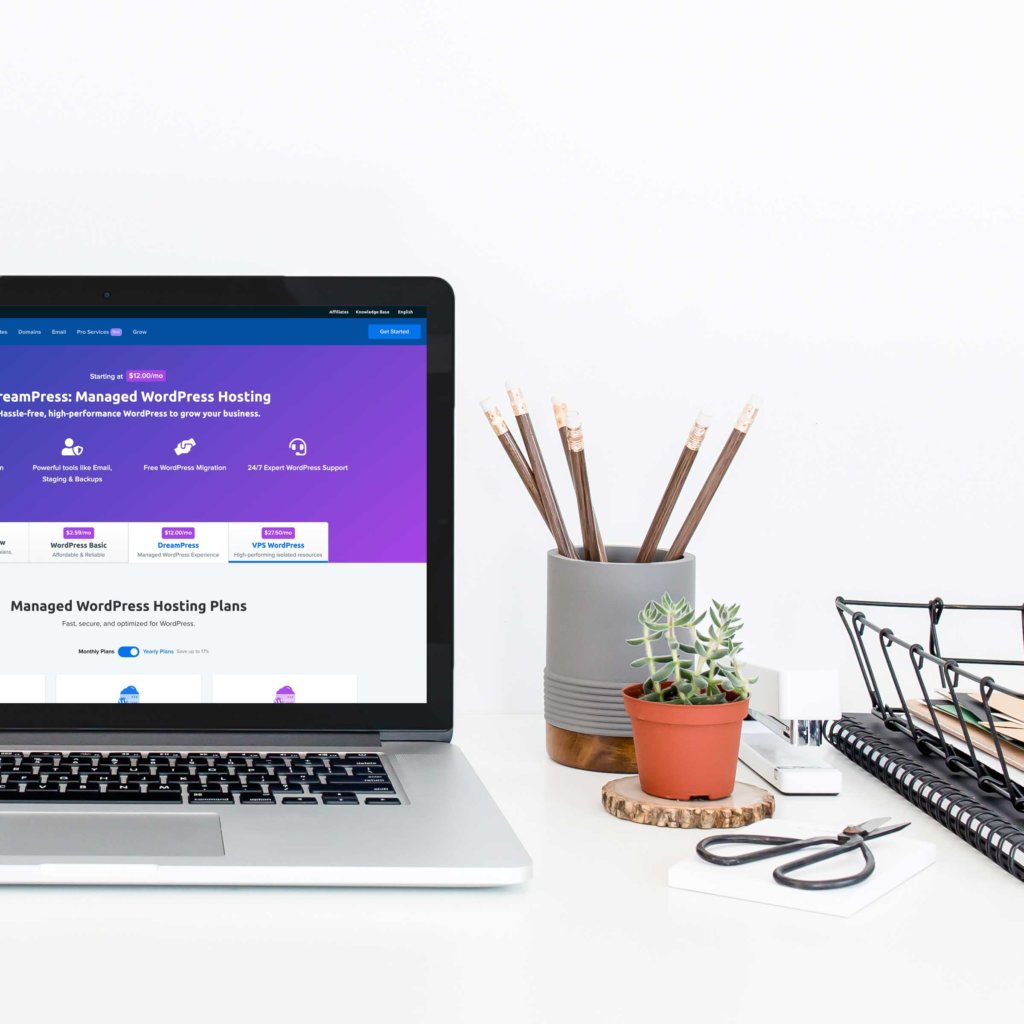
pixel 342 440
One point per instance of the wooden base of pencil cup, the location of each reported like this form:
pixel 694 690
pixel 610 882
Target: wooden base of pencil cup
pixel 611 754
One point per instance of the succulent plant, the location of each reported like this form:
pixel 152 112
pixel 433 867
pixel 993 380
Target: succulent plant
pixel 700 667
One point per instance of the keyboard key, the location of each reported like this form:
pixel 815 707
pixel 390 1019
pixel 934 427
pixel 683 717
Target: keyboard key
pixel 162 787
pixel 85 753
pixel 211 798
pixel 61 777
pixel 21 777
pixel 362 759
pixel 123 787
pixel 282 787
pixel 235 753
pixel 353 786
pixel 382 800
pixel 82 787
pixel 298 800
pixel 116 761
pixel 257 798
pixel 341 798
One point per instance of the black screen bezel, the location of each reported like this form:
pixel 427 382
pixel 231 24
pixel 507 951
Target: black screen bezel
pixel 55 295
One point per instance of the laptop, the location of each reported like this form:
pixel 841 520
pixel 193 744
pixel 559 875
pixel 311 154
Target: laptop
pixel 226 574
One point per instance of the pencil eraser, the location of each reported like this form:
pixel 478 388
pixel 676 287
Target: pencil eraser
pixel 755 401
pixel 557 402
pixel 511 385
pixel 573 419
pixel 703 418
pixel 488 404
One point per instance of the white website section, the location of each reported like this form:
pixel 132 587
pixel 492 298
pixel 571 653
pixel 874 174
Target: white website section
pixel 123 632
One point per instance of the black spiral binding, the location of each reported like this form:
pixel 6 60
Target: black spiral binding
pixel 985 829
pixel 930 767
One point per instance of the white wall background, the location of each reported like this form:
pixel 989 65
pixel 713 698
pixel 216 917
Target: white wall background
pixel 647 207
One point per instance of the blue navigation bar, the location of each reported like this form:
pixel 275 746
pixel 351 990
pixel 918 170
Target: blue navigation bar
pixel 209 331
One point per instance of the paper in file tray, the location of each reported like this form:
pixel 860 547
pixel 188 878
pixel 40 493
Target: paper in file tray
pixel 944 731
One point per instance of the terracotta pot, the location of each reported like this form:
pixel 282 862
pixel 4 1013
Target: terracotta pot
pixel 685 751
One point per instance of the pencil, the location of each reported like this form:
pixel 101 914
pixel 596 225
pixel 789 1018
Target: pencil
pixel 548 501
pixel 515 455
pixel 675 485
pixel 593 546
pixel 707 492
pixel 561 410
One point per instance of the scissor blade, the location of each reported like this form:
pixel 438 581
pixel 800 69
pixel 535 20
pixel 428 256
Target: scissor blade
pixel 870 826
pixel 888 830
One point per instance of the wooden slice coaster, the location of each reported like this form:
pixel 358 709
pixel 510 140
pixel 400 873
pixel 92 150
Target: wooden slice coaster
pixel 591 753
pixel 624 798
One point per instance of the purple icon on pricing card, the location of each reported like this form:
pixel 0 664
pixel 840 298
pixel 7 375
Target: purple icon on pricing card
pixel 286 695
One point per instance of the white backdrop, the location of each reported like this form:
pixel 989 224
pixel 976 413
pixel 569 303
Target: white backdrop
pixel 649 208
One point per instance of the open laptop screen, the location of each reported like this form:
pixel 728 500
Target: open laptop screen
pixel 214 509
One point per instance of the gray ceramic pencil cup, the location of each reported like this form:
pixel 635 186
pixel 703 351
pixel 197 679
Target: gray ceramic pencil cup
pixel 592 611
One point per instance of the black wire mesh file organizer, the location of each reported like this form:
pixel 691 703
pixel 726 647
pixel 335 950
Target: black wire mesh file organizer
pixel 932 733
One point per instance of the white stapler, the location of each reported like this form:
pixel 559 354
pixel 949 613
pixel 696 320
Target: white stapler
pixel 783 742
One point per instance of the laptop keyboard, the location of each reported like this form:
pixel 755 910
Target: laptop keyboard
pixel 162 777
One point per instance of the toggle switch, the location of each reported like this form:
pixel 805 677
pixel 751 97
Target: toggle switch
pixel 127 652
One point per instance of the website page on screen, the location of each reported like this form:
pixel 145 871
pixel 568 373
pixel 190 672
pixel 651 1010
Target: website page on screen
pixel 213 509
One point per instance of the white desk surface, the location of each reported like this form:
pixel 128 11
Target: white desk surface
pixel 597 934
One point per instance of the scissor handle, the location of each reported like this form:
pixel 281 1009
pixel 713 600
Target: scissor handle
pixel 776 846
pixel 783 874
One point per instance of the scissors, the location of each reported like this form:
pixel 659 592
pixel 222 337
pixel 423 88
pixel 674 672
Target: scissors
pixel 853 837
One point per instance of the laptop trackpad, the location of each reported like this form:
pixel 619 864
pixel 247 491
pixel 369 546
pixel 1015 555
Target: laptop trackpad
pixel 103 834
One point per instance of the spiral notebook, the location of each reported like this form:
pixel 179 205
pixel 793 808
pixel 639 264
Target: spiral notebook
pixel 987 822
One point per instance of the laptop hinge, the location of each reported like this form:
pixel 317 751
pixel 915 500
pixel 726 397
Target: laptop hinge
pixel 191 739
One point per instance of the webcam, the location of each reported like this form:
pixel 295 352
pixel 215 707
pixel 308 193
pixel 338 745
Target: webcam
pixel 106 295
